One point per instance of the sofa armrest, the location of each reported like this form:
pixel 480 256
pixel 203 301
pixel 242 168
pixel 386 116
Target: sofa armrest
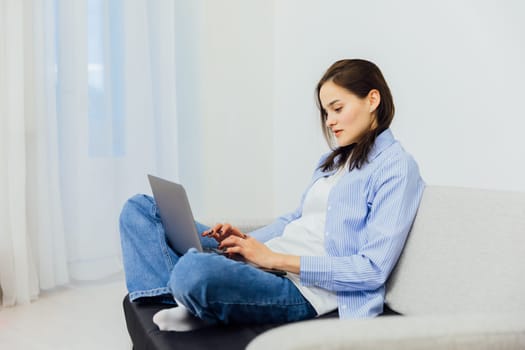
pixel 484 331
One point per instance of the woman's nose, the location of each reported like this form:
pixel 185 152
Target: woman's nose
pixel 329 121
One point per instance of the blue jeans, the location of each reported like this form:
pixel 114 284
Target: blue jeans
pixel 211 286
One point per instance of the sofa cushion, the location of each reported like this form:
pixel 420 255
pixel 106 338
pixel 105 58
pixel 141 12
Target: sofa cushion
pixel 465 253
pixel 430 332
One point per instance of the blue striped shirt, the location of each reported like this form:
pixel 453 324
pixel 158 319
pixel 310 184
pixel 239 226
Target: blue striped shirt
pixel 369 214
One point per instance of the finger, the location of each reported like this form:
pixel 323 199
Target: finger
pixel 240 233
pixel 230 241
pixel 227 242
pixel 226 228
pixel 214 232
pixel 229 230
pixel 237 232
pixel 207 233
pixel 223 232
pixel 234 250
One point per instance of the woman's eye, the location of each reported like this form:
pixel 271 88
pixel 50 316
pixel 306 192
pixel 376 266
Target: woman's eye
pixel 338 109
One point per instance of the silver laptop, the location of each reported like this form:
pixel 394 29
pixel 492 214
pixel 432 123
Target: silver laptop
pixel 175 212
pixel 177 219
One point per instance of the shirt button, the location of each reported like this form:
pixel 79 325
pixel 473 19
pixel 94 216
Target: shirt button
pixel 344 306
pixel 329 207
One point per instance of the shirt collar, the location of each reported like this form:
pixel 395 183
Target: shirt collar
pixel 382 142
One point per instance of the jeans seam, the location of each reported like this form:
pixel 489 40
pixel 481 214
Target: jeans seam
pixel 164 247
pixel 161 235
pixel 259 303
pixel 149 292
pixel 307 308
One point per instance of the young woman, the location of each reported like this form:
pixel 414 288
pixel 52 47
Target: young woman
pixel 338 247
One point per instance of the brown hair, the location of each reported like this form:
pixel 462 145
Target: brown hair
pixel 358 77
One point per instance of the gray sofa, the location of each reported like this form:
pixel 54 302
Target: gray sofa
pixel 459 284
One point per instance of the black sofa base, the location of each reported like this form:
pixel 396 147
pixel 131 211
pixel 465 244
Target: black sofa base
pixel 145 334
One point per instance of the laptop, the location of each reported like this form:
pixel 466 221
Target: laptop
pixel 178 222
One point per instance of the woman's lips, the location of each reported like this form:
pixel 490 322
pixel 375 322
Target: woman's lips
pixel 337 132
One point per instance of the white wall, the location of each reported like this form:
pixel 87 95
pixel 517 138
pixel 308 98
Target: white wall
pixel 225 82
pixel 455 69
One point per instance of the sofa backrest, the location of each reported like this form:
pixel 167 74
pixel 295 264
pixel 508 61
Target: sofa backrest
pixel 464 254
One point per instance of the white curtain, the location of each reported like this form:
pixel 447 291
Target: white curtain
pixel 87 101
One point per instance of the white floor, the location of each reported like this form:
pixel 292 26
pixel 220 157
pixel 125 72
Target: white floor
pixel 70 318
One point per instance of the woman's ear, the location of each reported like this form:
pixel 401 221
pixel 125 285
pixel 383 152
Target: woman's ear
pixel 374 98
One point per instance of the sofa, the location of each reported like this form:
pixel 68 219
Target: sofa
pixel 459 283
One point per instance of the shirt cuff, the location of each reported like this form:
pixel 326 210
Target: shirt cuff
pixel 316 271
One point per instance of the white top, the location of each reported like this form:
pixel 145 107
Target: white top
pixel 304 237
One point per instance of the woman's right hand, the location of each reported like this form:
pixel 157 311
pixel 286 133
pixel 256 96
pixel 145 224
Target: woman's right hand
pixel 220 232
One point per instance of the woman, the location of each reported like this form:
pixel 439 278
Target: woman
pixel 338 247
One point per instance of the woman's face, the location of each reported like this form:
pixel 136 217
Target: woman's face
pixel 347 115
